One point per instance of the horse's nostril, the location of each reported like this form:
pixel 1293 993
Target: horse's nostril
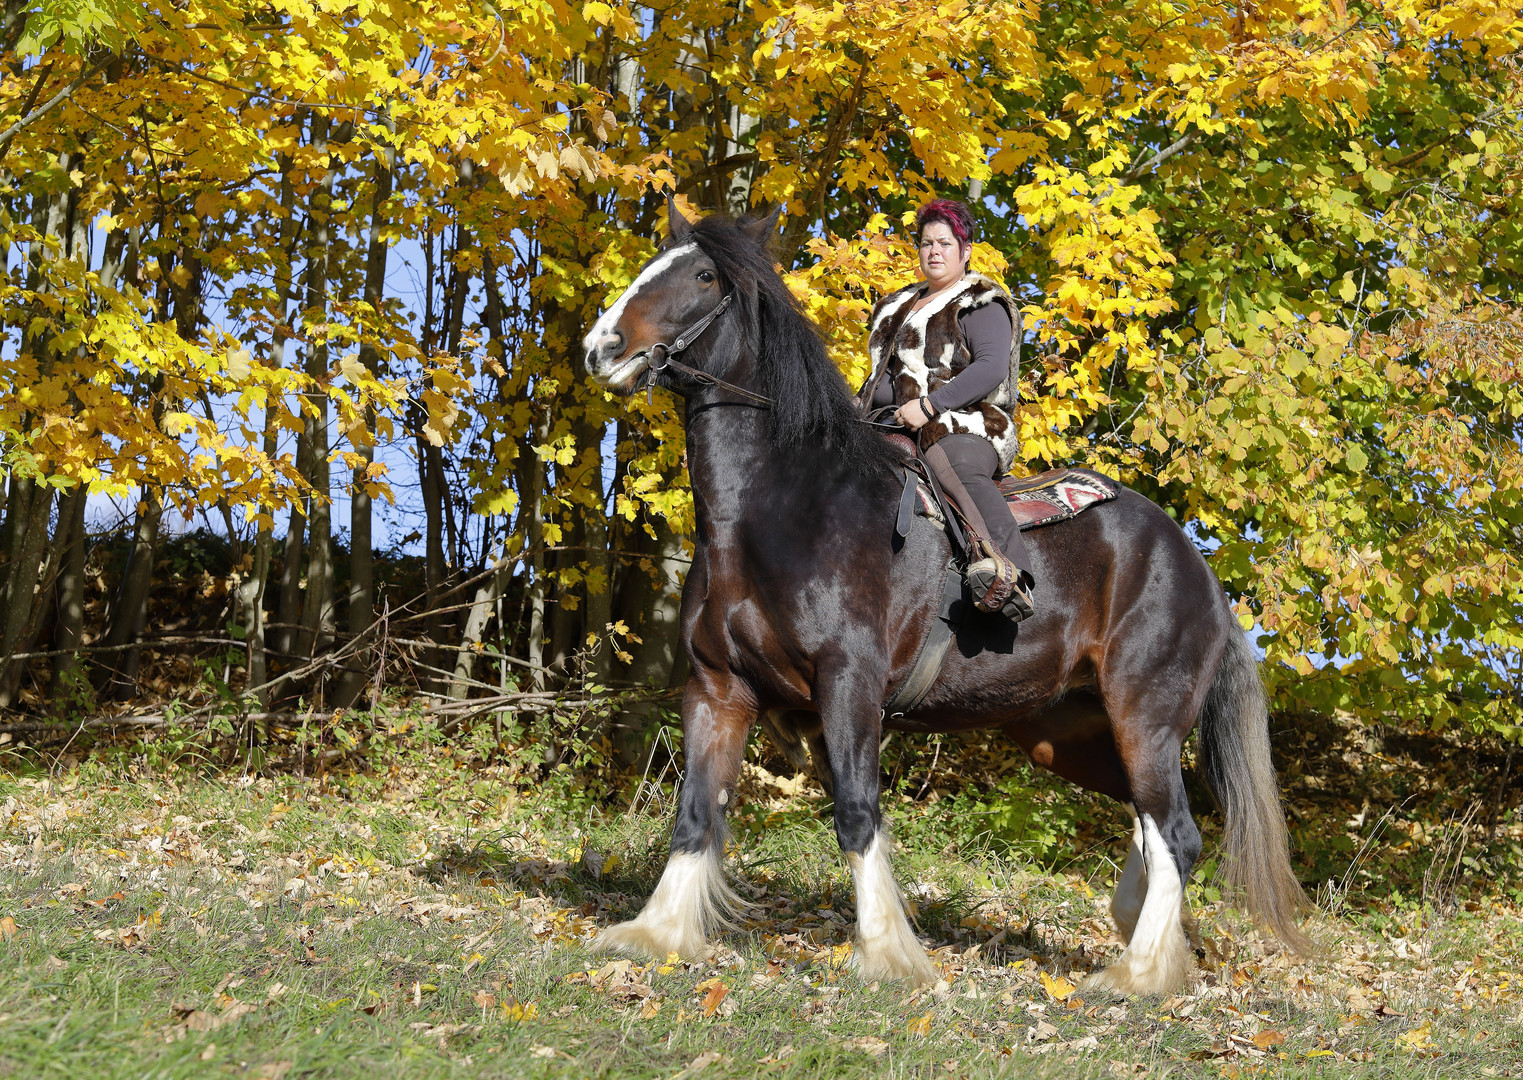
pixel 615 341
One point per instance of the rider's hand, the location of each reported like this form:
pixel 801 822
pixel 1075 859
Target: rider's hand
pixel 912 415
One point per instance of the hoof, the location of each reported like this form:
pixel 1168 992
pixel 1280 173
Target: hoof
pixel 899 962
pixel 690 901
pixel 648 942
pixel 1162 974
pixel 887 948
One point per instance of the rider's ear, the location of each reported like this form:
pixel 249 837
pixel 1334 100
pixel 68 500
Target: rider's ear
pixel 762 228
pixel 678 226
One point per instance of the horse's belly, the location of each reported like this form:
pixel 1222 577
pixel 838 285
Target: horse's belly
pixel 1073 738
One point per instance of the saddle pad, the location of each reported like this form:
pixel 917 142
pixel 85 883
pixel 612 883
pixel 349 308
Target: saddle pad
pixel 1056 495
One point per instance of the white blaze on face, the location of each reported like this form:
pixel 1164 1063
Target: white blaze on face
pixel 603 332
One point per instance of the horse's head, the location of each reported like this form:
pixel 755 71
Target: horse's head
pixel 673 293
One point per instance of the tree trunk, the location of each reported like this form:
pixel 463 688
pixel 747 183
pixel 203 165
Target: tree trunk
pixel 571 621
pixel 361 608
pixel 648 601
pixel 531 487
pixel 289 613
pixel 599 584
pixel 288 610
pixel 252 588
pixel 18 496
pixel 483 605
pixel 130 611
pixel 431 482
pixel 317 607
pixel 29 507
pixel 71 595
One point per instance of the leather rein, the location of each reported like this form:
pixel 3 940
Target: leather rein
pixel 663 356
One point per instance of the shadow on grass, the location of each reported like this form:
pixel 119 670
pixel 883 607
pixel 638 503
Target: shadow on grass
pixel 796 900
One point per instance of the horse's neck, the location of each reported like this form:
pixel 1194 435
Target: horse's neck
pixel 739 477
pixel 727 452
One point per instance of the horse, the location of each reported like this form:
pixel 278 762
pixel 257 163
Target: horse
pixel 799 610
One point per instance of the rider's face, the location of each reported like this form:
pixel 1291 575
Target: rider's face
pixel 942 258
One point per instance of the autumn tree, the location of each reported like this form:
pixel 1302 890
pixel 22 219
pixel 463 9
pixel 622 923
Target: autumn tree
pixel 1265 254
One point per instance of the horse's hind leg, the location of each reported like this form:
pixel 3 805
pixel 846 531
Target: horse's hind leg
pixel 1150 902
pixel 1075 739
pixel 692 900
pixel 886 944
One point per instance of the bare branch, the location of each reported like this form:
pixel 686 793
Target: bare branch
pixel 1141 169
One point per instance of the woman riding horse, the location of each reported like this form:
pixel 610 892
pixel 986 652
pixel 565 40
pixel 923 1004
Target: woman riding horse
pixel 798 605
pixel 944 352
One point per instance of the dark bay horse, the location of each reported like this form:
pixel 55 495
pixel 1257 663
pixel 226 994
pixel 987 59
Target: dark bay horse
pixel 798 607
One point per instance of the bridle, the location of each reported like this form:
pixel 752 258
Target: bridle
pixel 663 356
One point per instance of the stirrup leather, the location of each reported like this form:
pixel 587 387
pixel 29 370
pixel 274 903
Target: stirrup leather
pixel 995 582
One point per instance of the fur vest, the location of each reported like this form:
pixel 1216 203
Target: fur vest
pixel 921 351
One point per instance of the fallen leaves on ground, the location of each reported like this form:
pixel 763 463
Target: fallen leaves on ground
pixel 1012 955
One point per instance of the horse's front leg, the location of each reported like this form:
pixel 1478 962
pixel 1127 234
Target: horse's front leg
pixel 886 944
pixel 692 899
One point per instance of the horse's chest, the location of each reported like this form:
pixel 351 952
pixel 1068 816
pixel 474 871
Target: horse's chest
pixel 770 622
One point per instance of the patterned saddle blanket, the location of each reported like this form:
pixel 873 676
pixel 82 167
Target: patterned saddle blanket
pixel 1043 499
pixel 1055 495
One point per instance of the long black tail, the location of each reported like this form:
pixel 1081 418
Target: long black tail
pixel 1234 746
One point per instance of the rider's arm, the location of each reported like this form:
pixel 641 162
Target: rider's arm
pixel 987 331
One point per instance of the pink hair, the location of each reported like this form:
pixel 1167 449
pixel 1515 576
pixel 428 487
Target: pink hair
pixel 951 213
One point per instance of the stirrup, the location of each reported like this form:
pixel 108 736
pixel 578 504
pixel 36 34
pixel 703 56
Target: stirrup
pixel 996 585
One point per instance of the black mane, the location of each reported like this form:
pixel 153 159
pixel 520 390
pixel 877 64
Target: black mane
pixel 815 408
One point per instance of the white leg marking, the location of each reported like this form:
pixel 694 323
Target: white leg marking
pixel 1158 959
pixel 1126 905
pixel 690 901
pixel 610 318
pixel 886 945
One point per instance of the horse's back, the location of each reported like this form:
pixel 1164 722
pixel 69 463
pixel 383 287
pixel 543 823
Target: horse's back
pixel 1128 545
pixel 1118 584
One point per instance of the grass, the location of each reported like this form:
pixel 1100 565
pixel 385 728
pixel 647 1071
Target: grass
pixel 435 915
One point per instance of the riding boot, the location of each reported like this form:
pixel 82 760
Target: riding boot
pixel 997 584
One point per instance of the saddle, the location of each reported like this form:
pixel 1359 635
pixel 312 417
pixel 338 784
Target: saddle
pixel 1055 495
pixel 1044 499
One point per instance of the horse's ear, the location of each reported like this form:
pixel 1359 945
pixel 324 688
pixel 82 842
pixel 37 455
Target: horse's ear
pixel 677 225
pixel 762 228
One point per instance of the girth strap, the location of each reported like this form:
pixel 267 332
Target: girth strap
pixel 933 649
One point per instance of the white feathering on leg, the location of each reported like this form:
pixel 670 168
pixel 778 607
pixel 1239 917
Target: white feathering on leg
pixel 886 945
pixel 1126 905
pixel 691 901
pixel 1157 960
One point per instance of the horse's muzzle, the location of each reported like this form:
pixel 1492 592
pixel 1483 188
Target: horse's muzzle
pixel 615 371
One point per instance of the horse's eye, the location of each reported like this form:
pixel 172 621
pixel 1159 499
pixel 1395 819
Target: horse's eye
pixel 705 276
